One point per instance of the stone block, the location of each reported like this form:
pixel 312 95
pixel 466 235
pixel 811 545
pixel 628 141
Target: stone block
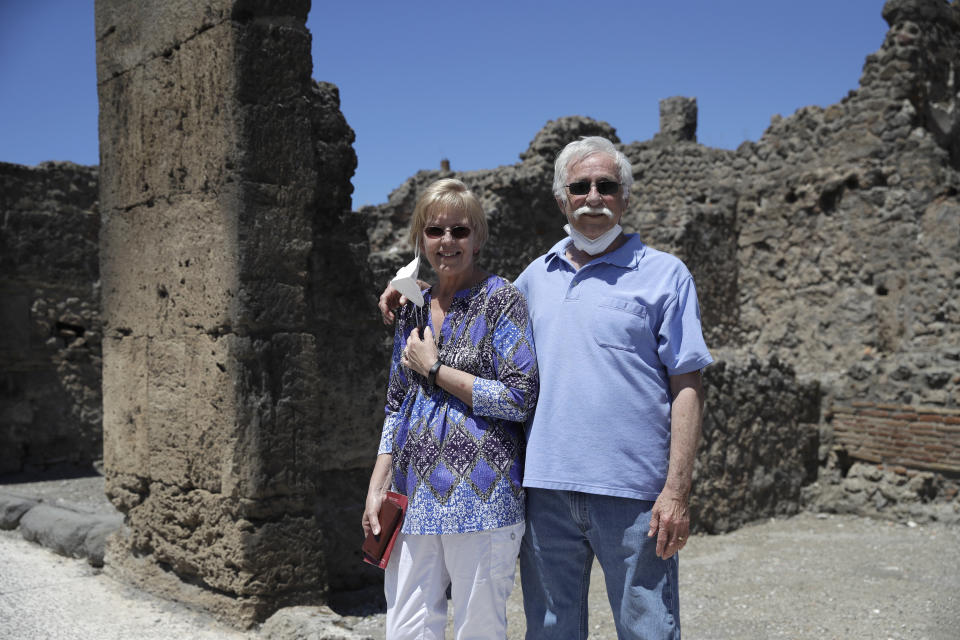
pixel 12 508
pixel 678 119
pixel 171 103
pixel 220 545
pixel 307 623
pixel 69 533
pixel 169 269
pixel 127 39
pixel 276 447
pixel 126 384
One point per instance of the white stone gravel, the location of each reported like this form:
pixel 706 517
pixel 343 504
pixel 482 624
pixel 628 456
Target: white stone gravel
pixel 806 577
pixel 46 596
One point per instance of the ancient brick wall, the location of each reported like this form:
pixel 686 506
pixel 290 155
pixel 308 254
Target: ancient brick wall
pixel 892 434
pixel 49 317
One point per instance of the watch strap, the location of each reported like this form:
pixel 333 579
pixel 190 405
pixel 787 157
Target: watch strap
pixel 432 374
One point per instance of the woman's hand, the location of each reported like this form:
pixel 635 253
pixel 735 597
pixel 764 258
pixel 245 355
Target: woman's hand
pixel 419 355
pixel 376 492
pixel 371 512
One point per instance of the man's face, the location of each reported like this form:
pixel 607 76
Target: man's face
pixel 593 214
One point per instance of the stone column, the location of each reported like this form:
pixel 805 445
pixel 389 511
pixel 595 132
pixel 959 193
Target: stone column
pixel 678 120
pixel 224 181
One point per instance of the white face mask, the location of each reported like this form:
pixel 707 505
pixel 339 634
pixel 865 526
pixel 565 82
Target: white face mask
pixel 406 281
pixel 593 246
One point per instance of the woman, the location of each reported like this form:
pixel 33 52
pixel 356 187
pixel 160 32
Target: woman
pixel 452 439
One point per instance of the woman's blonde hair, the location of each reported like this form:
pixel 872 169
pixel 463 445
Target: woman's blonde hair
pixel 451 195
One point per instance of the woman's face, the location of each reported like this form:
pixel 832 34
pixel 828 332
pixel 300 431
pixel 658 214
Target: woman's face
pixel 448 254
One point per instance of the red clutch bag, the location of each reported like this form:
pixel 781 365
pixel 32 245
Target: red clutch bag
pixel 376 548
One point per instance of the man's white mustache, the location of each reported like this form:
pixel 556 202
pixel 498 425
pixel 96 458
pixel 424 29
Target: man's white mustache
pixel 582 210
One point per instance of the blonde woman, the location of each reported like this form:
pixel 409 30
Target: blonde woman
pixel 452 439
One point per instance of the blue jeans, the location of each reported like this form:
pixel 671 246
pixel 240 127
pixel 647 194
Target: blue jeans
pixel 565 529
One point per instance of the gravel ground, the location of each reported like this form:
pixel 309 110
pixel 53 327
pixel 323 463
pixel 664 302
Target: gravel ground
pixel 44 596
pixel 810 576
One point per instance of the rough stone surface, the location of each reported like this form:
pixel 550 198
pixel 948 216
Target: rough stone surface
pixel 884 492
pixel 308 623
pixel 49 296
pixel 12 508
pixel 70 533
pixel 230 264
pixel 759 447
pixel 678 120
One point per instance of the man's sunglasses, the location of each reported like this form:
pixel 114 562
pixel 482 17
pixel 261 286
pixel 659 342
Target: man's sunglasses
pixel 457 232
pixel 604 188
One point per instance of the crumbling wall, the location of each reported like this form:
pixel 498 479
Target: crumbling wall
pixel 49 317
pixel 831 245
pixel 759 446
pixel 230 340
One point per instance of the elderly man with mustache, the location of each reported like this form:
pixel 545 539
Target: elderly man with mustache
pixel 611 446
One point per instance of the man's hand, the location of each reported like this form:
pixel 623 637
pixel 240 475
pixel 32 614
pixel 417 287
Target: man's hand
pixel 670 517
pixel 390 299
pixel 670 522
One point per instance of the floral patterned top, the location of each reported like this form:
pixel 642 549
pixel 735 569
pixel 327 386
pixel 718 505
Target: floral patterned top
pixel 462 468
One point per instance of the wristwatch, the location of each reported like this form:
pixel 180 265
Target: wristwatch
pixel 432 374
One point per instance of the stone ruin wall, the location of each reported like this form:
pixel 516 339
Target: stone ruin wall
pixel 825 256
pixel 827 260
pixel 50 408
pixel 233 420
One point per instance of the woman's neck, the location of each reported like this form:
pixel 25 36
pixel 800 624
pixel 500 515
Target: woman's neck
pixel 447 287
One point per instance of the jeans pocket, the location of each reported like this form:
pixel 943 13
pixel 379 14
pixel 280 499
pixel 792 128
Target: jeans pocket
pixel 504 549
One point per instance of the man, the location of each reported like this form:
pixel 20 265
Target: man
pixel 611 446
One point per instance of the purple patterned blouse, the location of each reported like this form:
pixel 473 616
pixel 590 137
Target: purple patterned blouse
pixel 462 468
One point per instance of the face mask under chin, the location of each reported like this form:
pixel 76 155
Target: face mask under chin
pixel 593 246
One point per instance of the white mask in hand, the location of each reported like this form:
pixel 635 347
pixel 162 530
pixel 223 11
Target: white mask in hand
pixel 596 245
pixel 406 281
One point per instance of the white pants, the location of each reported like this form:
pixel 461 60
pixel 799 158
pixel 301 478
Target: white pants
pixel 479 566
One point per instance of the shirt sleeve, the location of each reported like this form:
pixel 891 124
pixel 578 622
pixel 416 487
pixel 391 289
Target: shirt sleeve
pixel 681 345
pixel 397 385
pixel 512 395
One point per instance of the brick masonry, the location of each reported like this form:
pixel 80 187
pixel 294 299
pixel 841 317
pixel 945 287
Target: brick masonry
pixel 893 434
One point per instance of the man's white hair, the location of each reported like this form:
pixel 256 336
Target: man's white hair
pixel 580 149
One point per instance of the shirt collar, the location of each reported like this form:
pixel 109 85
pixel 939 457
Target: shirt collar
pixel 627 256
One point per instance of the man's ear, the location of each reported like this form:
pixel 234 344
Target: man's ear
pixel 563 208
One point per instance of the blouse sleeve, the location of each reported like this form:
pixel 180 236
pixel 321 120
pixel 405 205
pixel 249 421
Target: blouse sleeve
pixel 512 395
pixel 397 385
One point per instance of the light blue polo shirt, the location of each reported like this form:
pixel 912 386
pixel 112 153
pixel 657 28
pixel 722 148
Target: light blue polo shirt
pixel 607 338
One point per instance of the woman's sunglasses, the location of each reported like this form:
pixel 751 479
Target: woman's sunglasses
pixel 457 232
pixel 604 187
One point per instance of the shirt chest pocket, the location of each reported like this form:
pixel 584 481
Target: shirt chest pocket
pixel 620 324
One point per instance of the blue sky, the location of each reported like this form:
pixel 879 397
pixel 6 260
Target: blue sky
pixel 474 82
